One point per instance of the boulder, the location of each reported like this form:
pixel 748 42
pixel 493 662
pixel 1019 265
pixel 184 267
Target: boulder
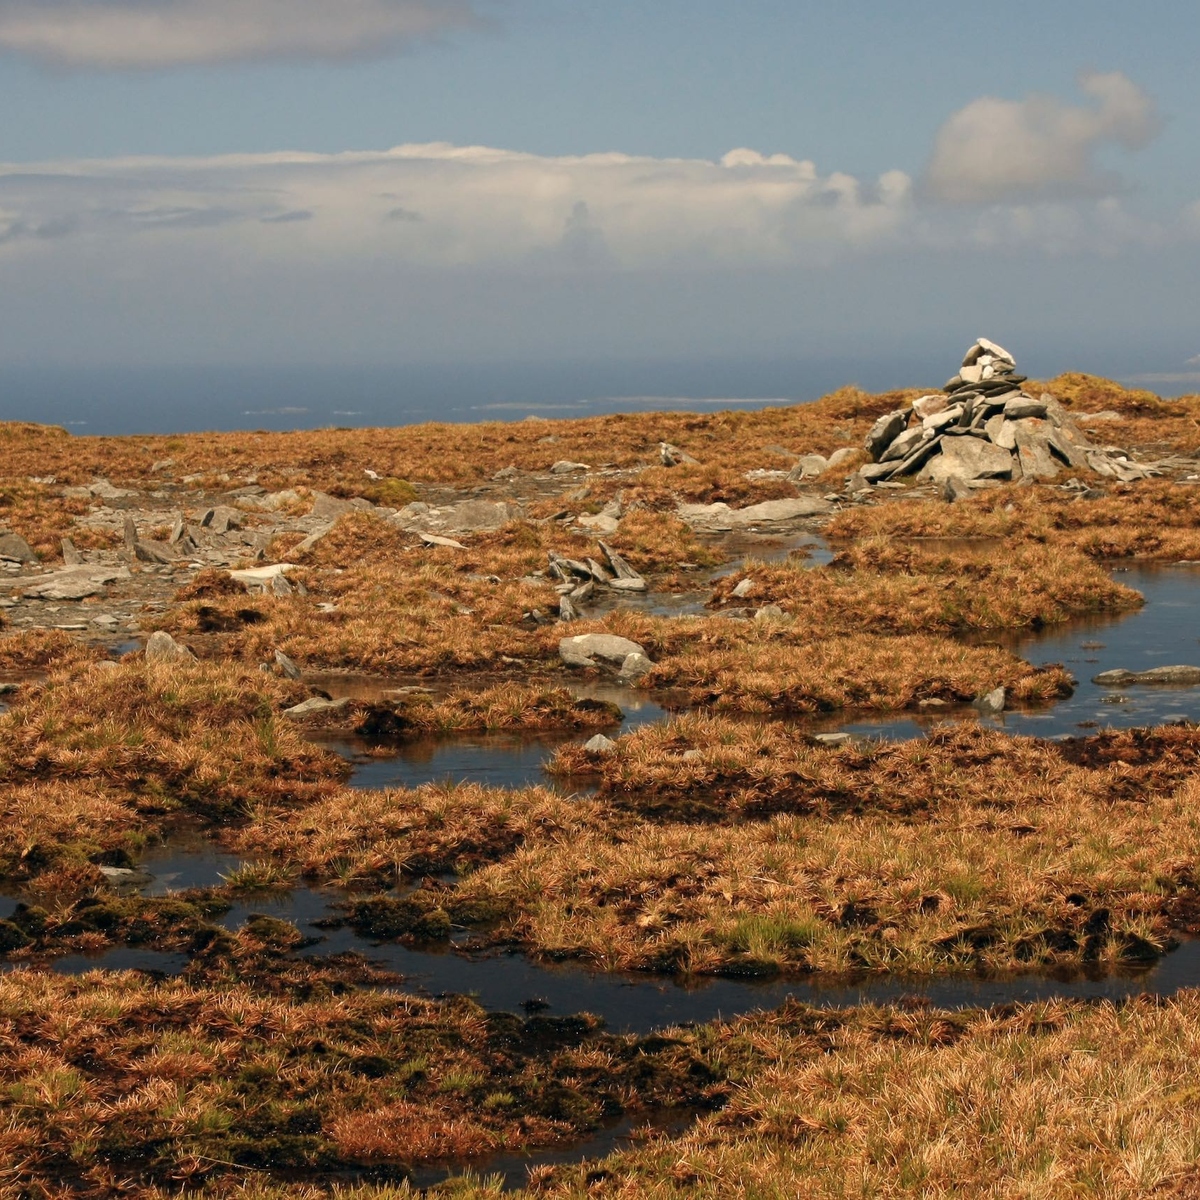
pixel 840 456
pixel 596 649
pixel 16 549
pixel 808 467
pixel 635 666
pixel 970 458
pixel 904 445
pixel 1179 676
pixel 600 745
pixel 672 456
pixel 991 703
pixel 163 648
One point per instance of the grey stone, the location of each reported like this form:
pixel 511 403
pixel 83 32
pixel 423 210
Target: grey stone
pixel 467 516
pixel 942 419
pixel 318 704
pixel 771 613
pixel 929 406
pixel 720 517
pixel 672 456
pixel 955 489
pixel 584 592
pixel 983 348
pixel 261 576
pixel 743 589
pixel 163 648
pixel 1033 449
pixel 566 467
pixel 600 745
pixel 285 664
pixel 312 540
pixel 970 458
pixel 1179 676
pixel 620 567
pixel 567 610
pixel 840 456
pixel 72 583
pixel 103 490
pixel 599 574
pixel 281 587
pixel 635 667
pixel 222 519
pixel 872 472
pixel 629 585
pixel 924 451
pixel 16 548
pixel 809 467
pixel 433 539
pixel 152 552
pixel 71 556
pixel 1023 406
pixel 885 431
pixel 585 649
pixel 991 703
pixel 834 740
pixel 509 472
pixel 130 534
pixel 122 878
pixel 904 445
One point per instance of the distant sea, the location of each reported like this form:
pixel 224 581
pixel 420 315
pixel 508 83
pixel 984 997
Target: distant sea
pixel 120 400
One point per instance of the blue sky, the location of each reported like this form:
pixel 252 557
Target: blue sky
pixel 1027 170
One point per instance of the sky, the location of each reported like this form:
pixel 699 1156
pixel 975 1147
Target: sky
pixel 385 183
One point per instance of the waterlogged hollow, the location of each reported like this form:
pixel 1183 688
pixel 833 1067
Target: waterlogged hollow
pixel 628 1003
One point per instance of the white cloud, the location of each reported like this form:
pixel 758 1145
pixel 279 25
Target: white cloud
pixel 452 206
pixel 162 33
pixel 997 150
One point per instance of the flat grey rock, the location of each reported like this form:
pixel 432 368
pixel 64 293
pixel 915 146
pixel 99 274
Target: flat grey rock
pixel 73 583
pixel 285 664
pixel 904 445
pixel 720 517
pixel 929 406
pixel 1180 676
pixel 262 575
pixel 318 704
pixel 833 740
pixel 595 649
pixel 970 458
pixel 566 467
pixel 467 516
pixel 1023 406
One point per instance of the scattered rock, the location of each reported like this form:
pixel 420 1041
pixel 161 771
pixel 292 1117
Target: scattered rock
pixel 954 489
pixel 16 549
pixel 970 458
pixel 771 612
pixel 566 467
pixel 103 490
pixel 467 516
pixel 432 539
pixel 261 576
pixel 126 878
pixel 720 518
pixel 885 431
pixel 743 589
pixel 222 519
pixel 567 610
pixel 835 739
pixel 73 583
pixel 840 456
pixel 585 649
pixel 71 556
pixel 318 704
pixel 281 587
pixel 991 703
pixel 600 745
pixel 672 456
pixel 285 664
pixel 809 467
pixel 1156 675
pixel 162 647
pixel 635 666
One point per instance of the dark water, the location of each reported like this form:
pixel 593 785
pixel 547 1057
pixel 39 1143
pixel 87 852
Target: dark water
pixel 628 1003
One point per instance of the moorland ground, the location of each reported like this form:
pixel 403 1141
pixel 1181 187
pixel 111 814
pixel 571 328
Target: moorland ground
pixel 421 592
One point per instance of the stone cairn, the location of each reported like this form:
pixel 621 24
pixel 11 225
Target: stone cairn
pixel 982 429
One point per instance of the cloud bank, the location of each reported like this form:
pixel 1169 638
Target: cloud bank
pixel 1039 148
pixel 117 34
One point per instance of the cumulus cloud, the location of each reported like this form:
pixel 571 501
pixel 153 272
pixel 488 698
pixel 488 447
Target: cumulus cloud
pixel 1041 147
pixel 119 34
pixel 444 205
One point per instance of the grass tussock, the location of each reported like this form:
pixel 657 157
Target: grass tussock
pixel 881 586
pixel 1155 519
pixel 39 649
pixel 115 1082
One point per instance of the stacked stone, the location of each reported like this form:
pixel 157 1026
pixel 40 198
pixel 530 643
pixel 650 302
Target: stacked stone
pixel 983 427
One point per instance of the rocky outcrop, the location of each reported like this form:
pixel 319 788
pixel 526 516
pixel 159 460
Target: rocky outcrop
pixel 983 427
pixel 1179 676
pixel 720 518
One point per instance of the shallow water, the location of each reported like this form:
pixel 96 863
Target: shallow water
pixel 628 1003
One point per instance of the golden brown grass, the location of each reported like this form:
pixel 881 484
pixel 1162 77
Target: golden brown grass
pixel 114 1082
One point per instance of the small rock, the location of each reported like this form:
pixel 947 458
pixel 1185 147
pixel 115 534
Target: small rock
pixel 635 666
pixel 1022 407
pixel 318 704
pixel 835 739
pixel 71 556
pixel 1179 676
pixel 840 456
pixel 566 467
pixel 600 745
pixel 955 489
pixel 285 664
pixel 432 539
pixel 770 612
pixel 162 647
pixel 692 755
pixel 261 576
pixel 809 467
pixel 743 589
pixel 126 877
pixel 992 703
pixel 509 472
pixel 885 431
pixel 672 456
pixel 929 406
pixel 17 549
pixel 281 587
pixel 567 610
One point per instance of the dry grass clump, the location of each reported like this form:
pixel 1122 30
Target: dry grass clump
pixel 1154 519
pixel 774 670
pixel 114 1083
pixel 38 649
pixel 203 735
pixel 382 837
pixel 880 586
pixel 1047 1100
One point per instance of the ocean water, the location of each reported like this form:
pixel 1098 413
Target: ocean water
pixel 123 400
